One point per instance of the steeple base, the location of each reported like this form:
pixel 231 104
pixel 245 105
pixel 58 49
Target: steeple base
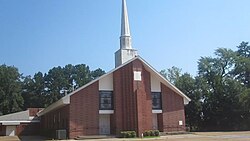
pixel 124 55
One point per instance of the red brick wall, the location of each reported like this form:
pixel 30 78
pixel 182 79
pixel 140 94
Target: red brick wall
pixel 173 111
pixel 84 112
pixel 2 130
pixel 124 117
pixel 132 100
pixel 132 106
pixel 55 120
pixel 143 97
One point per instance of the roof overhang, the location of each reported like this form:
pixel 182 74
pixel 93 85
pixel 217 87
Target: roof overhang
pixel 18 122
pixel 60 103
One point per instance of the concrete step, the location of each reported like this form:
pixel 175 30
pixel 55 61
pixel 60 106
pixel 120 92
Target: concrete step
pixel 173 133
pixel 94 137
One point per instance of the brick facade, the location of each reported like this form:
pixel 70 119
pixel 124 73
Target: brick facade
pixel 55 120
pixel 132 100
pixel 124 117
pixel 132 104
pixel 143 99
pixel 2 130
pixel 84 112
pixel 173 111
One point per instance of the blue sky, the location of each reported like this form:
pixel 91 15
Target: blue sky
pixel 36 35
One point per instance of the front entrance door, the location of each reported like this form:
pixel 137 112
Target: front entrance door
pixel 104 124
pixel 155 122
pixel 10 130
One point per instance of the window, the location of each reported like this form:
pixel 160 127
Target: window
pixel 106 100
pixel 156 100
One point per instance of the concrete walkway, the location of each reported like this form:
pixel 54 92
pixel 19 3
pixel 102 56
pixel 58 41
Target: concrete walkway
pixel 195 136
pixel 9 138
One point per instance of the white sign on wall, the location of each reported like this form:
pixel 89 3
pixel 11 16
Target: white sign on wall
pixel 180 122
pixel 137 75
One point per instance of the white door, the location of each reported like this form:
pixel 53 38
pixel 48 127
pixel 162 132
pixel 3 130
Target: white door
pixel 155 122
pixel 10 130
pixel 104 124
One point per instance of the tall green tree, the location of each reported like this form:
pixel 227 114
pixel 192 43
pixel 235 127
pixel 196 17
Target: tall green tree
pixel 33 91
pixel 10 90
pixel 242 74
pixel 221 94
pixel 171 74
pixel 97 73
pixel 55 82
pixel 62 80
pixel 242 65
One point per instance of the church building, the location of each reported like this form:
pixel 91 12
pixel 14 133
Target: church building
pixel 131 97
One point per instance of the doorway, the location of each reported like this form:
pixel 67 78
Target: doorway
pixel 104 124
pixel 155 122
pixel 10 130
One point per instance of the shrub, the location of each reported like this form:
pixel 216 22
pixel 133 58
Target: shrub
pixel 156 132
pixel 151 133
pixel 146 133
pixel 128 134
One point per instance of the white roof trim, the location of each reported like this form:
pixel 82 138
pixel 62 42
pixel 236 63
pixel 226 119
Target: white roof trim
pixel 66 99
pixel 166 82
pixel 60 103
pixel 17 122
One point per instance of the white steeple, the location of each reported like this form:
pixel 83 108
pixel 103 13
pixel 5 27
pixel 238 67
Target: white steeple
pixel 126 52
pixel 125 39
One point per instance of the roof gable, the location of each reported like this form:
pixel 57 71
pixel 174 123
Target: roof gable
pixel 66 99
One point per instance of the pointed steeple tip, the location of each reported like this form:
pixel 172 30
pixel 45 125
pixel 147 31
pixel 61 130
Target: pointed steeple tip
pixel 125 30
pixel 125 39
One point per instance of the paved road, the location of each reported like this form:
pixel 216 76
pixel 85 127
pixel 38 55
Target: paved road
pixel 196 136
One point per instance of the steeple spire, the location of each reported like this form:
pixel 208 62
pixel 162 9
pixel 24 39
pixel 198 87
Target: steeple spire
pixel 126 52
pixel 125 39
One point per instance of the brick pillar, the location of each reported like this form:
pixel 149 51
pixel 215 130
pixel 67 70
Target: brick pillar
pixel 143 99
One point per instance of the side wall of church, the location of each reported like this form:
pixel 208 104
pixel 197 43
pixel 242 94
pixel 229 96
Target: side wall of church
pixel 84 112
pixel 55 120
pixel 172 118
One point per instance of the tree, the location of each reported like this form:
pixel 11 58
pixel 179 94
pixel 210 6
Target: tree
pixel 97 73
pixel 33 91
pixel 171 74
pixel 82 75
pixel 56 83
pixel 62 80
pixel 242 64
pixel 10 90
pixel 221 94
